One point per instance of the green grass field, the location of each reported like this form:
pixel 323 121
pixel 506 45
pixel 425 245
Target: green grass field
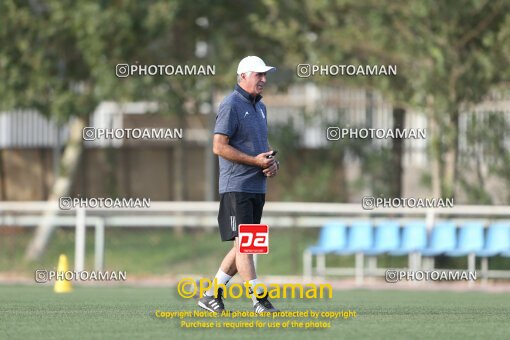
pixel 28 312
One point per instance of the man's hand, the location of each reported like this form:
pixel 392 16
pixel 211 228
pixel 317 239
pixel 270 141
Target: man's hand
pixel 271 171
pixel 221 147
pixel 263 162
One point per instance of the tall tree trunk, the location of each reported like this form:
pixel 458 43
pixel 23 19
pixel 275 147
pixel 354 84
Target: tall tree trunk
pixel 179 179
pixel 397 150
pixel 450 168
pixel 3 193
pixel 435 147
pixel 61 188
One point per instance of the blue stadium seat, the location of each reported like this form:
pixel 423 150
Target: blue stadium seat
pixel 414 238
pixel 470 239
pixel 332 237
pixel 387 238
pixel 359 238
pixel 497 241
pixel 443 239
pixel 359 241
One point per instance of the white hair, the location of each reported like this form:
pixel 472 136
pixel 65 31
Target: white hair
pixel 239 76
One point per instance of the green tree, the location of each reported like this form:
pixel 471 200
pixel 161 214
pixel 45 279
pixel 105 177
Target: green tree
pixel 59 57
pixel 449 55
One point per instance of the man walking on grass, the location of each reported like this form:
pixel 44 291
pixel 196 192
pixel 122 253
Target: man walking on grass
pixel 246 160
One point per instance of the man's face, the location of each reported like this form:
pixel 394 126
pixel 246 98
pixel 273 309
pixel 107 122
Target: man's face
pixel 253 82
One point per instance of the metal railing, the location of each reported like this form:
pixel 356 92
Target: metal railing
pixel 204 215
